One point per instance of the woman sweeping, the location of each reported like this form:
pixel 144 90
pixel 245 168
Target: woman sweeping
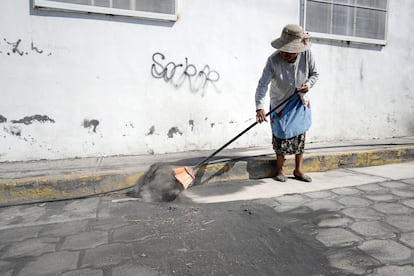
pixel 291 72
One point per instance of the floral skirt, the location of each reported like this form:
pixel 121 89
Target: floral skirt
pixel 294 145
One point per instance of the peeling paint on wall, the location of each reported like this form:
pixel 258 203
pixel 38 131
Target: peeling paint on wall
pixel 2 119
pixel 30 119
pixel 151 131
pixel 191 123
pixel 129 124
pixel 13 130
pixel 172 131
pixel 91 124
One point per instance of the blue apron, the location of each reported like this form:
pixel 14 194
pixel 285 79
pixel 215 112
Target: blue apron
pixel 293 120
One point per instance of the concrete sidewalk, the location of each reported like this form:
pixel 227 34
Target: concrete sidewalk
pixel 48 180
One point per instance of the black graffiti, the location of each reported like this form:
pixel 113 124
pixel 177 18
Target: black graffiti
pixel 17 47
pixel 34 48
pixel 177 74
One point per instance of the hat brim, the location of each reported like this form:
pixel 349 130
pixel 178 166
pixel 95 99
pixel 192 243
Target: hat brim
pixel 293 46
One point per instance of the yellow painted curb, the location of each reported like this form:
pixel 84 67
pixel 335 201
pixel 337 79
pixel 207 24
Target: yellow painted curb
pixel 72 186
pixel 64 187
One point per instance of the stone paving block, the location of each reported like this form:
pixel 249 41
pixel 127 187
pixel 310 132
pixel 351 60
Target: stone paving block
pixel 6 268
pixel 109 209
pixel 84 272
pixel 362 213
pixel 408 181
pixel 105 255
pixel 290 202
pixel 404 193
pixel 334 222
pixel 404 223
pixel 386 250
pixel 346 191
pixel 287 207
pixel 336 237
pixel 409 203
pixel 133 269
pixel 353 201
pixel 64 229
pixel 51 264
pixel 31 247
pixel 85 240
pixel 107 223
pixel 380 197
pixel 19 234
pixel 295 198
pixel 373 188
pixel 392 270
pixel 408 238
pixel 391 208
pixel 319 194
pixel 373 229
pixel 73 210
pixel 324 204
pixel 135 232
pixel 351 260
pixel 394 184
pixel 271 202
pixel 27 215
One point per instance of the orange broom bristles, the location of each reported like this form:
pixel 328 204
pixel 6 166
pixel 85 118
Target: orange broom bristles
pixel 185 176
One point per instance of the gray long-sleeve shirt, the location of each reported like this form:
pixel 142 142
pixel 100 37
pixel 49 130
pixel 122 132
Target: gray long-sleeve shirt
pixel 285 78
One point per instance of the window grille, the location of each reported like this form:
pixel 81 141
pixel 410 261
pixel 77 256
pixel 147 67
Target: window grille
pixel 362 21
pixel 150 9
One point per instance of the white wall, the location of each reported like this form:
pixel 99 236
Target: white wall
pixel 97 67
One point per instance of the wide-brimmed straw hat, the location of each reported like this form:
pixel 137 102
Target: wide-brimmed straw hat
pixel 292 40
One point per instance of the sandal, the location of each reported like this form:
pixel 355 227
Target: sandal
pixel 303 177
pixel 280 178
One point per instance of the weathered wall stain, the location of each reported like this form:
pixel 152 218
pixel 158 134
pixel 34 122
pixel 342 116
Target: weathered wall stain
pixel 13 130
pixel 177 74
pixel 172 131
pixel 129 124
pixel 151 131
pixel 91 124
pixel 2 119
pixel 30 119
pixel 191 123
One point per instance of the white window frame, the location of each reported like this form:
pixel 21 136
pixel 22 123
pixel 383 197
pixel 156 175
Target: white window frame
pixel 345 38
pixel 104 10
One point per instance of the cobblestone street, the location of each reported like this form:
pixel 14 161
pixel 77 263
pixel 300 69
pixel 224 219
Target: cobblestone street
pixel 365 229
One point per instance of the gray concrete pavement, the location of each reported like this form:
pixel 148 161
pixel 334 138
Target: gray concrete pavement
pixel 357 221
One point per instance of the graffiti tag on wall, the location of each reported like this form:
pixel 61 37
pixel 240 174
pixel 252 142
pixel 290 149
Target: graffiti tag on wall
pixel 18 47
pixel 178 74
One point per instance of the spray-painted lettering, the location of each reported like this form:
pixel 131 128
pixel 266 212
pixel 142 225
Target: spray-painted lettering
pixel 18 48
pixel 177 74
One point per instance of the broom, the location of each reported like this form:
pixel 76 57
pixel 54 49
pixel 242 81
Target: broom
pixel 185 175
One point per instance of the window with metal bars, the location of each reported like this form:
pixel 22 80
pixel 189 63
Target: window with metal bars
pixel 362 21
pixel 150 9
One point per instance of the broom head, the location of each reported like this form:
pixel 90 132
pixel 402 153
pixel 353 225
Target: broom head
pixel 184 175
